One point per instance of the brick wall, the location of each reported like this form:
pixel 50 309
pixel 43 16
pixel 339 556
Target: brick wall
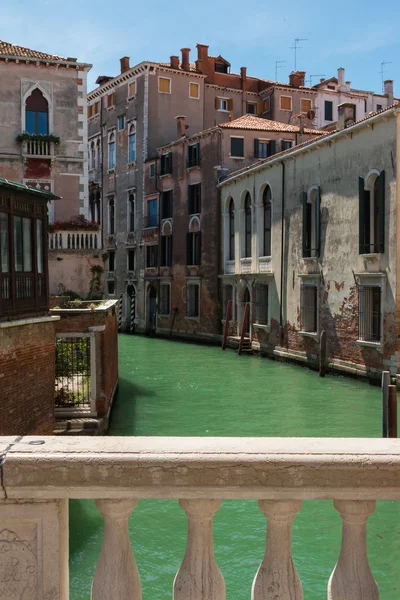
pixel 27 374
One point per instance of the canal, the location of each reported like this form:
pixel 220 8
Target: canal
pixel 177 389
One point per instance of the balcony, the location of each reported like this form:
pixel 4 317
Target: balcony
pixel 75 240
pixel 40 474
pixel 230 267
pixel 246 265
pixel 264 264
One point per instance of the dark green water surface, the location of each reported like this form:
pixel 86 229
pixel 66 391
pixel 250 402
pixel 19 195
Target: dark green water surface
pixel 177 389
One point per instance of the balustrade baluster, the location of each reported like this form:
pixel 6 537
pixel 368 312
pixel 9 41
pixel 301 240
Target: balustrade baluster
pixel 116 575
pixel 199 577
pixel 352 578
pixel 277 578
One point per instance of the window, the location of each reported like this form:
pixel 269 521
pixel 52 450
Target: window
pixel 194 90
pixel 251 108
pixel 237 147
pixel 89 110
pixel 311 223
pixel 220 67
pixel 131 256
pixel 4 244
pixel 166 204
pixel 23 244
pixel 305 105
pixel 98 206
pixel 231 230
pixel 328 110
pixel 92 206
pixel 111 216
pixel 131 212
pixel 111 260
pixel 225 104
pixel 132 89
pixel 331 87
pixel 111 288
pixel 165 290
pixel 151 256
pixel 166 164
pixel 166 250
pixel 286 144
pixel 379 107
pixel 37 114
pixel 164 85
pixel 267 104
pixel 370 317
pixel 194 199
pixel 96 107
pixel 365 106
pixel 247 226
pixel 152 216
pixel 111 151
pixel 92 156
pixel 193 248
pixel 152 170
pixel 98 154
pixel 121 122
pixel 267 213
pixel 264 148
pixel 193 156
pixel 261 304
pixel 39 245
pixel 132 144
pixel 193 300
pixel 110 100
pixel 372 213
pixel 308 308
pixel 286 103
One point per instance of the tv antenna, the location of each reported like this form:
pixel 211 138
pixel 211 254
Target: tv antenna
pixel 279 64
pixel 382 71
pixel 312 76
pixel 297 47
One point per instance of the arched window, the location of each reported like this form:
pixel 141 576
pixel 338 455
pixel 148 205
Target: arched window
pixel 37 114
pixel 166 245
pixel 98 207
pixel 92 156
pixel 193 243
pixel 131 212
pixel 231 230
pixel 132 144
pixel 111 151
pixel 247 226
pixel 372 213
pixel 111 216
pixel 267 209
pixel 311 222
pixel 98 154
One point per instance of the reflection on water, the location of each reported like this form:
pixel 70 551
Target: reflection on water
pixel 170 388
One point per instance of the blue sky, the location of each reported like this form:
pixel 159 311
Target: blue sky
pixel 355 35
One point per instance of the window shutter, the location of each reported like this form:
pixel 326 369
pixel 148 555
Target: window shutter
pixel 230 104
pixel 216 103
pixel 198 248
pixel 260 107
pixel 190 200
pixel 198 152
pixel 318 221
pixel 256 148
pixel 199 198
pixel 381 208
pixel 170 162
pixel 272 147
pixel 304 201
pixel 171 203
pixel 188 249
pixel 361 216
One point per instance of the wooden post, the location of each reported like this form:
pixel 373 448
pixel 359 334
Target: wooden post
pixel 385 401
pixel 243 330
pixel 226 326
pixel 322 354
pixel 392 412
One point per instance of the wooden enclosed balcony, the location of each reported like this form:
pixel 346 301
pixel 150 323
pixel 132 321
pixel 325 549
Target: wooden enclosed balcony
pixel 40 474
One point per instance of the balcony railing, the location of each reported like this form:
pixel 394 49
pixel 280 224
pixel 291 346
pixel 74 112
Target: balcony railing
pixel 38 148
pixel 40 474
pixel 246 265
pixel 230 267
pixel 264 264
pixel 75 240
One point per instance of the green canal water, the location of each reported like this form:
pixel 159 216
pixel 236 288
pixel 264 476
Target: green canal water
pixel 177 389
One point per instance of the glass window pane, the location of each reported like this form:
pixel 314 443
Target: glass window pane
pixel 27 244
pixel 42 123
pixel 39 245
pixel 18 243
pixel 132 147
pixel 4 243
pixel 30 121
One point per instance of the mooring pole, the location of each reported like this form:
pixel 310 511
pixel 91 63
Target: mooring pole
pixel 322 354
pixel 392 411
pixel 385 402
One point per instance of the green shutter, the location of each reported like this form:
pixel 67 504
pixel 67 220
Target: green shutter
pixel 272 147
pixel 318 221
pixel 304 202
pixel 361 216
pixel 256 148
pixel 381 209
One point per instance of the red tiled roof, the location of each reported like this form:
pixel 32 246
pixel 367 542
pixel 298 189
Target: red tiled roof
pixel 7 49
pixel 259 124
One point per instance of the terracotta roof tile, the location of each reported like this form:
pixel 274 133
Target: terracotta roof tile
pixel 7 49
pixel 259 124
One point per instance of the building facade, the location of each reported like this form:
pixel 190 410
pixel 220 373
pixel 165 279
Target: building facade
pixel 309 243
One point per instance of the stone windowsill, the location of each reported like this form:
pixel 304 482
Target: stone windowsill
pixel 265 328
pixel 311 334
pixel 193 319
pixel 365 344
pixel 31 321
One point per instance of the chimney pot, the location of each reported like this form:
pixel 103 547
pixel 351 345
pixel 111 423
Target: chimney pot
pixel 125 64
pixel 185 65
pixel 174 62
pixel 181 126
pixel 388 87
pixel 202 51
pixel 340 76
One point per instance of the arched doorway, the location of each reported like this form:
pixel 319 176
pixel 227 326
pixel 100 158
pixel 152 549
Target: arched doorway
pixel 151 309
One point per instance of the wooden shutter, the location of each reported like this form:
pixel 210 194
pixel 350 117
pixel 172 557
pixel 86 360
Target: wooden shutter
pixel 381 209
pixel 318 221
pixel 260 107
pixel 89 111
pixel 304 202
pixel 256 148
pixel 272 147
pixel 361 216
pixel 230 104
pixel 216 102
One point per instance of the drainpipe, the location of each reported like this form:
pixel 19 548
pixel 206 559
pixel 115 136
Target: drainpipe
pixel 282 248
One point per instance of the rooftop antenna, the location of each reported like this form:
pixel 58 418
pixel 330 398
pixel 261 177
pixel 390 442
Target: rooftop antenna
pixel 279 64
pixel 311 77
pixel 382 71
pixel 297 47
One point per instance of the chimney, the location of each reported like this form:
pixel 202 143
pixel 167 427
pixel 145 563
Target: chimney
pixel 389 90
pixel 296 78
pixel 185 64
pixel 340 76
pixel 348 86
pixel 345 115
pixel 322 79
pixel 174 62
pixel 181 126
pixel 243 75
pixel 125 64
pixel 202 51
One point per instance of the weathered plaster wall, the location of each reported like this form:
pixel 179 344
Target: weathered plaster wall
pixel 72 270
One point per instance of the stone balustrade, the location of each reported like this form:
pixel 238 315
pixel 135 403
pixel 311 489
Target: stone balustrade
pixel 40 474
pixel 75 240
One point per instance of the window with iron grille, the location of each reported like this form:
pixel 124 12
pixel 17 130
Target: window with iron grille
pixel 193 300
pixel 166 204
pixel 194 199
pixel 151 256
pixel 166 251
pixel 165 290
pixel 370 313
pixel 261 304
pixel 309 308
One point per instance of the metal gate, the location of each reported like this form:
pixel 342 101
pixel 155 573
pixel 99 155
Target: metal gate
pixel 73 372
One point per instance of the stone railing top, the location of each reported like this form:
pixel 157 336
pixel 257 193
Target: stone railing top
pixel 104 307
pixel 224 468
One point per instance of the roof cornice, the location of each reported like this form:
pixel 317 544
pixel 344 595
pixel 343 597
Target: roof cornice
pixel 46 61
